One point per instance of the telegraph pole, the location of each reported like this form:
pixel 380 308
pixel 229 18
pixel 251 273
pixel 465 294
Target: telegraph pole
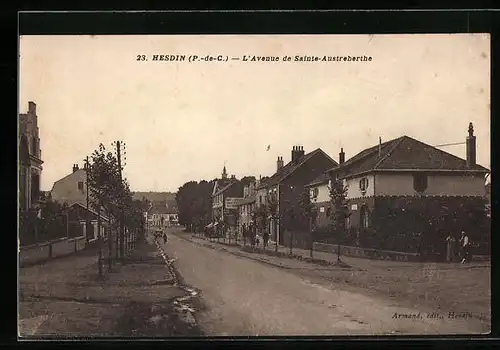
pixel 87 195
pixel 121 214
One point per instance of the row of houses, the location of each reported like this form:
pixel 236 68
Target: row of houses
pixel 388 187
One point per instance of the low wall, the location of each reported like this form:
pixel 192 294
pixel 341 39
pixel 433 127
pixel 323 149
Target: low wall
pixel 366 253
pixel 41 252
pixel 62 247
pixel 34 253
pixel 79 243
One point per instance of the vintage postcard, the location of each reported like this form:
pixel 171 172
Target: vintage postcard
pixel 254 185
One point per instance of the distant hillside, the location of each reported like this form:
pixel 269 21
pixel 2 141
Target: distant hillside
pixel 155 196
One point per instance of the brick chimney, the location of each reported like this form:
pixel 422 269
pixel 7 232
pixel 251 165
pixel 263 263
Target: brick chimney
pixel 75 167
pixel 297 153
pixel 279 163
pixel 32 107
pixel 471 147
pixel 233 177
pixel 341 156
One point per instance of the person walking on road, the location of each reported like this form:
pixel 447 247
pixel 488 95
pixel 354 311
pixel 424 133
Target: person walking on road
pixel 464 245
pixel 165 237
pixel 266 239
pixel 450 248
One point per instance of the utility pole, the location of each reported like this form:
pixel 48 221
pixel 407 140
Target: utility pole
pixel 87 225
pixel 121 205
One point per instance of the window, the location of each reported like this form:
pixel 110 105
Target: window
pixel 315 193
pixel 419 182
pixel 80 185
pixel 363 185
pixel 328 212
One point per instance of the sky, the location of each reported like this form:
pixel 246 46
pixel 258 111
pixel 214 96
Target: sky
pixel 184 121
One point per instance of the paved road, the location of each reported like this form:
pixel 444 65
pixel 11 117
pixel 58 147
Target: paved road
pixel 247 298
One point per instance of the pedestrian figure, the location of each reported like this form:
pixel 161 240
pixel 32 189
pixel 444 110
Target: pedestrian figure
pixel 450 248
pixel 164 238
pixel 464 244
pixel 266 239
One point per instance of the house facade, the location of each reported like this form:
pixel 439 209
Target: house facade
pixel 286 186
pixel 163 216
pixel 226 195
pixel 86 222
pixel 405 195
pixel 30 159
pixel 246 208
pixel 72 188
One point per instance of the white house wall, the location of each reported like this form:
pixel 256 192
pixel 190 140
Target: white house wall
pixel 353 190
pixel 437 185
pixel 66 190
pixel 323 193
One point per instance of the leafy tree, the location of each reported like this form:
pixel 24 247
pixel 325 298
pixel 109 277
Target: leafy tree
pixel 106 189
pixel 272 209
pixel 309 214
pixel 185 198
pixel 340 212
pixel 194 203
pixel 246 180
pixel 338 199
pixel 109 193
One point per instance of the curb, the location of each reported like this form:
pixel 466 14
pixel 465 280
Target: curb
pixel 264 261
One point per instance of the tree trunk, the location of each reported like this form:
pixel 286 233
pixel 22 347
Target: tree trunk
pixel 311 239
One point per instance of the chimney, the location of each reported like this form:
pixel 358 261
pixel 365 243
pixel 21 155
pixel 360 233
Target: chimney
pixel 279 163
pixel 471 147
pixel 32 107
pixel 380 147
pixel 75 167
pixel 233 177
pixel 341 156
pixel 297 153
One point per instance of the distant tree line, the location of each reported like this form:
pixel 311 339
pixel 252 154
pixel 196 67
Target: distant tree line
pixel 194 202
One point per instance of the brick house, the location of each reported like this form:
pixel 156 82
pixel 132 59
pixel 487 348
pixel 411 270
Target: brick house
pixel 30 159
pixel 287 185
pixel 405 188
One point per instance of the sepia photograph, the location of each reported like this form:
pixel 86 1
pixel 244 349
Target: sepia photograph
pixel 253 185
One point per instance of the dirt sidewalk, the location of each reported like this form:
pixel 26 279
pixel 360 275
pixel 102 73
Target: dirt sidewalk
pixel 66 298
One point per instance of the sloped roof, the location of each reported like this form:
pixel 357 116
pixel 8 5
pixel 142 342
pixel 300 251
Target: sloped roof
pixel 403 153
pixel 320 180
pixel 89 209
pixel 71 174
pixel 219 184
pixel 290 167
pixel 224 188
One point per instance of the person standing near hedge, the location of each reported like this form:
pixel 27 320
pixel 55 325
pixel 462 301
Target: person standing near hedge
pixel 464 245
pixel 450 248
